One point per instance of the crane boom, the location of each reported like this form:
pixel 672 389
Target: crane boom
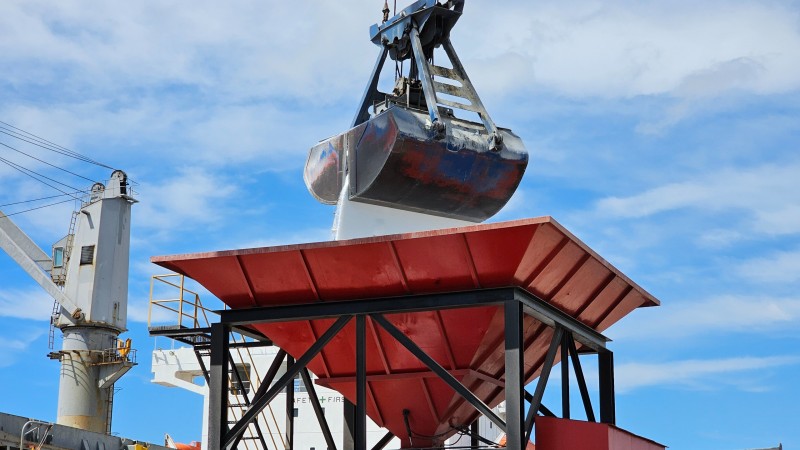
pixel 34 261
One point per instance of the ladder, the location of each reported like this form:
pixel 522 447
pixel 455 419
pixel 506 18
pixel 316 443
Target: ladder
pixel 61 280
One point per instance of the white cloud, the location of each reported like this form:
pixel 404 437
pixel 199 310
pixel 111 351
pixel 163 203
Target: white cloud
pixel 768 193
pixel 318 51
pixel 780 268
pixel 627 48
pixel 192 197
pixel 243 48
pixel 698 374
pixel 717 315
pixel 14 348
pixel 32 304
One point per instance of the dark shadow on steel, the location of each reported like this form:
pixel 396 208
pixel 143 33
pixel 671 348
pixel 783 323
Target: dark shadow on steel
pixel 289 406
pixel 565 410
pixel 361 383
pixel 218 387
pixel 473 435
pixel 383 305
pixel 605 363
pixel 515 374
pixel 349 425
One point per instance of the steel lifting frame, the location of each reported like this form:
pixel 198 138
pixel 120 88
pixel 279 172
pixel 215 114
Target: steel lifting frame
pixel 517 304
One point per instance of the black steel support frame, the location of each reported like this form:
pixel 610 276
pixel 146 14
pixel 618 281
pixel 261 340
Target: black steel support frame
pixel 289 389
pixel 517 303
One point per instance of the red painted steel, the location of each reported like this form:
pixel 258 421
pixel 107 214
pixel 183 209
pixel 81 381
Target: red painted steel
pixel 538 254
pixel 562 434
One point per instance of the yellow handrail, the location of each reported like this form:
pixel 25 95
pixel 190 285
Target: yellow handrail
pixel 189 311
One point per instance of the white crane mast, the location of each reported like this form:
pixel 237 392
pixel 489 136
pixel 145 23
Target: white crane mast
pixel 93 302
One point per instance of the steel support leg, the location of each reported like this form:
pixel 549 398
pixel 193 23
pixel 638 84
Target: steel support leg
pixel 361 384
pixel 565 413
pixel 349 425
pixel 473 435
pixel 515 377
pixel 605 366
pixel 218 387
pixel 290 407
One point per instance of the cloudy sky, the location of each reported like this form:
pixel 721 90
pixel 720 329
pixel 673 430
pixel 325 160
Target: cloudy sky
pixel 663 134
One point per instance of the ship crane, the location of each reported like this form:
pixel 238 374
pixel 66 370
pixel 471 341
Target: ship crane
pixel 88 278
pixel 408 162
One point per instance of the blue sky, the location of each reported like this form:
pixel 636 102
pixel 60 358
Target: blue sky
pixel 663 134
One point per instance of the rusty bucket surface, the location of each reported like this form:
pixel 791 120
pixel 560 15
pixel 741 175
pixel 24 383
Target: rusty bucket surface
pixel 395 160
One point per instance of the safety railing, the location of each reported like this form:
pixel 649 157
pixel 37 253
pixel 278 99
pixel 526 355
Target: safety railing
pixel 169 294
pixel 190 313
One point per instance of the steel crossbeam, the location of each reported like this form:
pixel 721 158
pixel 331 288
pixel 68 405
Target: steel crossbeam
pixel 517 303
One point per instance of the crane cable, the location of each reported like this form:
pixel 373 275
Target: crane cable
pixel 33 174
pixel 45 162
pixel 41 198
pixel 73 193
pixel 45 144
pixel 37 207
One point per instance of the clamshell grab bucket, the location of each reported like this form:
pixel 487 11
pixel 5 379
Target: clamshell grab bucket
pixel 395 160
pixel 413 152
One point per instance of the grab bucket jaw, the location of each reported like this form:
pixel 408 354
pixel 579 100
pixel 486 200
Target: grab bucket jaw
pixel 395 160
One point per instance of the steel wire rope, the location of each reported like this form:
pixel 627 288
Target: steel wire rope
pixel 49 145
pixel 57 148
pixel 28 172
pixel 41 144
pixel 45 162
pixel 38 207
pixel 25 136
pixel 42 198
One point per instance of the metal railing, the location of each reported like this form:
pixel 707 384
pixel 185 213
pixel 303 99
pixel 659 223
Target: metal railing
pixel 113 356
pixel 187 311
pixel 190 312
